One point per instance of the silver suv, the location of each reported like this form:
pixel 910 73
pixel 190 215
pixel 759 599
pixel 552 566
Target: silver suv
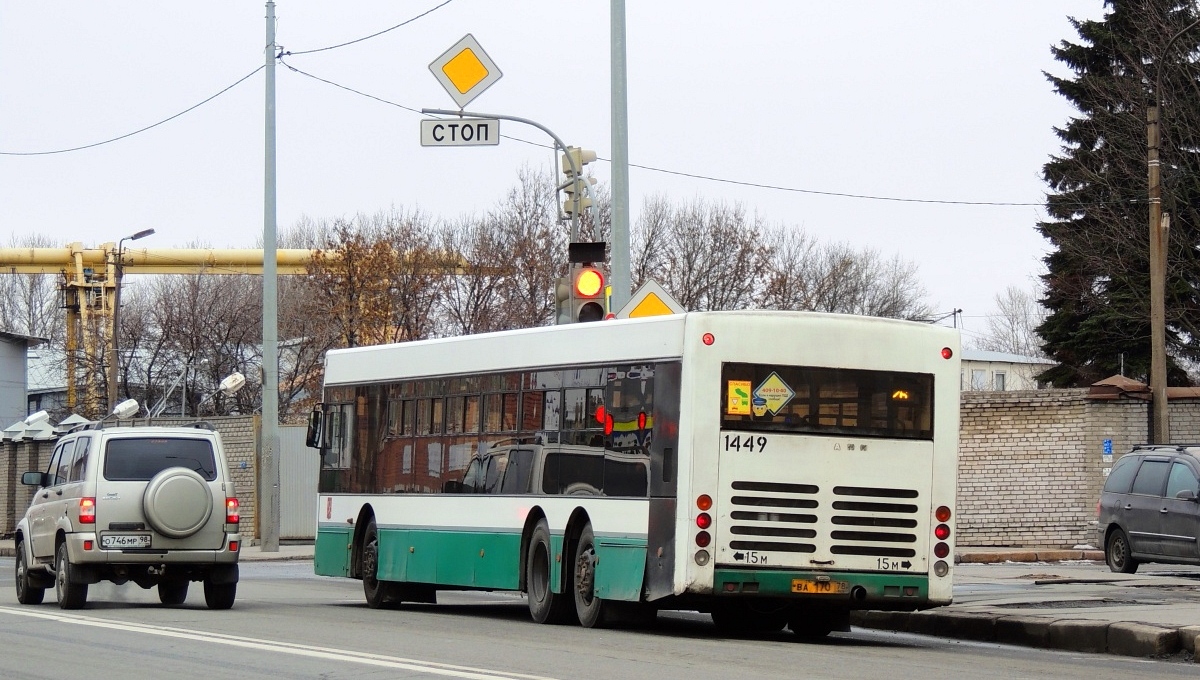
pixel 152 505
pixel 1149 510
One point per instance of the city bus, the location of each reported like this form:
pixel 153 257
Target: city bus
pixel 771 468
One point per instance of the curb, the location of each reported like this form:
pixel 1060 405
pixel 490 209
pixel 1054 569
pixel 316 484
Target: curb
pixel 992 557
pixel 1073 635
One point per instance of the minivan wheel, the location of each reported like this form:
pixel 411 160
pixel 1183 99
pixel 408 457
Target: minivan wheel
pixel 1117 554
pixel 70 595
pixel 26 593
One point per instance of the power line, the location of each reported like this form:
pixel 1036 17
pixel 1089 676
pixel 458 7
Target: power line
pixel 135 132
pixel 708 178
pixel 373 35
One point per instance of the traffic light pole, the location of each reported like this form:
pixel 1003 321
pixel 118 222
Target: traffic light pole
pixel 575 168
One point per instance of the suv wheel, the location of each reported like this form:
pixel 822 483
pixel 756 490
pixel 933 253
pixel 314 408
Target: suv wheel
pixel 26 593
pixel 219 595
pixel 70 595
pixel 172 592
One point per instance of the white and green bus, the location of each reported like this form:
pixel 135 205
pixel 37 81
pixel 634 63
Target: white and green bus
pixel 772 468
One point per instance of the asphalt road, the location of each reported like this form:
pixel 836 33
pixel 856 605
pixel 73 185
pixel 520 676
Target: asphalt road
pixel 288 623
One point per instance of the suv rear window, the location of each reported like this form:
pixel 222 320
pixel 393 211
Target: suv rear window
pixel 138 460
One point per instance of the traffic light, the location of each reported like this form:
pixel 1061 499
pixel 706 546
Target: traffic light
pixel 587 293
pixel 562 300
pixel 578 187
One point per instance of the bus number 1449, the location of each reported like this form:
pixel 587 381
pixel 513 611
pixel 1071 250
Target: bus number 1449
pixel 748 443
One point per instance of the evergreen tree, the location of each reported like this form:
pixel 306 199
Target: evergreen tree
pixel 1098 281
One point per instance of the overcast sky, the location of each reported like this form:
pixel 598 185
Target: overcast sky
pixel 921 100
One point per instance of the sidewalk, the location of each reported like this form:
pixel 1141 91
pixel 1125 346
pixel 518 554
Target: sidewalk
pixel 1051 599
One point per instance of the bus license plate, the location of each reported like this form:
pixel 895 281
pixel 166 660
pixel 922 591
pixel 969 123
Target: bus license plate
pixel 800 585
pixel 125 541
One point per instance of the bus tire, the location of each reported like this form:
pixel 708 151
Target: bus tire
pixel 545 605
pixel 379 594
pixel 744 618
pixel 588 607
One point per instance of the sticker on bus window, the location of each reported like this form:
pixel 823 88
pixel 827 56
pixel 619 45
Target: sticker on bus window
pixel 738 403
pixel 774 392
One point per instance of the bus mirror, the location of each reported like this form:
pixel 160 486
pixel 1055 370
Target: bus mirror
pixel 315 426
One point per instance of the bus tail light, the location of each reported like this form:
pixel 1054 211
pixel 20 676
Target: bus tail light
pixel 232 513
pixel 87 510
pixel 942 533
pixel 703 539
pixel 704 502
pixel 704 520
pixel 947 352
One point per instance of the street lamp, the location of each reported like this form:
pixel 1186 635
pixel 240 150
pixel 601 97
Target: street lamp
pixel 118 269
pixel 1160 432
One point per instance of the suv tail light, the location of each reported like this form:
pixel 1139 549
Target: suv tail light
pixel 232 516
pixel 87 510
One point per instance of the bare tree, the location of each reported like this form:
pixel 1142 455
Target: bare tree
pixel 1013 329
pixel 29 303
pixel 708 255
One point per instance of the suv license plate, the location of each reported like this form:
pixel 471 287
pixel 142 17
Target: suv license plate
pixel 125 541
pixel 800 585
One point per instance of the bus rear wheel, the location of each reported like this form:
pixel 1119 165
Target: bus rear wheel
pixel 588 607
pixel 744 618
pixel 545 606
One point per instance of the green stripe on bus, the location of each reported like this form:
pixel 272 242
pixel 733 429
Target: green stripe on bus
pixel 331 551
pixel 477 559
pixel 899 588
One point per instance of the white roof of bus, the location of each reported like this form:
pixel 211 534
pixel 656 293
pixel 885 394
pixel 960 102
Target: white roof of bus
pixel 618 340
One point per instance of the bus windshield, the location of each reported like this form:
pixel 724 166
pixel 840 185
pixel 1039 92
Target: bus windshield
pixel 813 400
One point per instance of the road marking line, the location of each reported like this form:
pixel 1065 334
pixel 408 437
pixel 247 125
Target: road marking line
pixel 367 658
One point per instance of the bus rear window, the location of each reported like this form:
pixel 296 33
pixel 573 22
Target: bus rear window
pixel 818 400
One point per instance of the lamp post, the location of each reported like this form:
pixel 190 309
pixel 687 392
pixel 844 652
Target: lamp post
pixel 118 269
pixel 1160 432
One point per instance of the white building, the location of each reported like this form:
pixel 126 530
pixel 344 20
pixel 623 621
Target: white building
pixel 1000 371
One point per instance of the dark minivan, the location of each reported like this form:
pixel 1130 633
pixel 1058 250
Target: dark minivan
pixel 1149 509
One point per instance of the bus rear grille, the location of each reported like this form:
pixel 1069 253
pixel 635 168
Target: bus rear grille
pixel 871 522
pixel 769 519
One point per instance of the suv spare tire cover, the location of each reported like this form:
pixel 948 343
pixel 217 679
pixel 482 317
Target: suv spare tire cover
pixel 177 502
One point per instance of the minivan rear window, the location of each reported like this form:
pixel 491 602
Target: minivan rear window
pixel 1121 476
pixel 139 459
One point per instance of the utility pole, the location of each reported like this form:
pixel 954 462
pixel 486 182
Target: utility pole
pixel 1160 432
pixel 622 280
pixel 268 481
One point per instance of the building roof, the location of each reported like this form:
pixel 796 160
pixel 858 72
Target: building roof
pixel 1002 357
pixel 30 340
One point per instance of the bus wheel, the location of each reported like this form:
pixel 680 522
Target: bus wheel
pixel 379 594
pixel 545 606
pixel 588 607
pixel 811 624
pixel 741 618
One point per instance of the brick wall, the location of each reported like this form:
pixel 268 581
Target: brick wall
pixel 1031 464
pixel 238 433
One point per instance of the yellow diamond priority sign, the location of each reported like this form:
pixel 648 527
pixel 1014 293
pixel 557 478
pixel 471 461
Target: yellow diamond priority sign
pixel 650 300
pixel 465 70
